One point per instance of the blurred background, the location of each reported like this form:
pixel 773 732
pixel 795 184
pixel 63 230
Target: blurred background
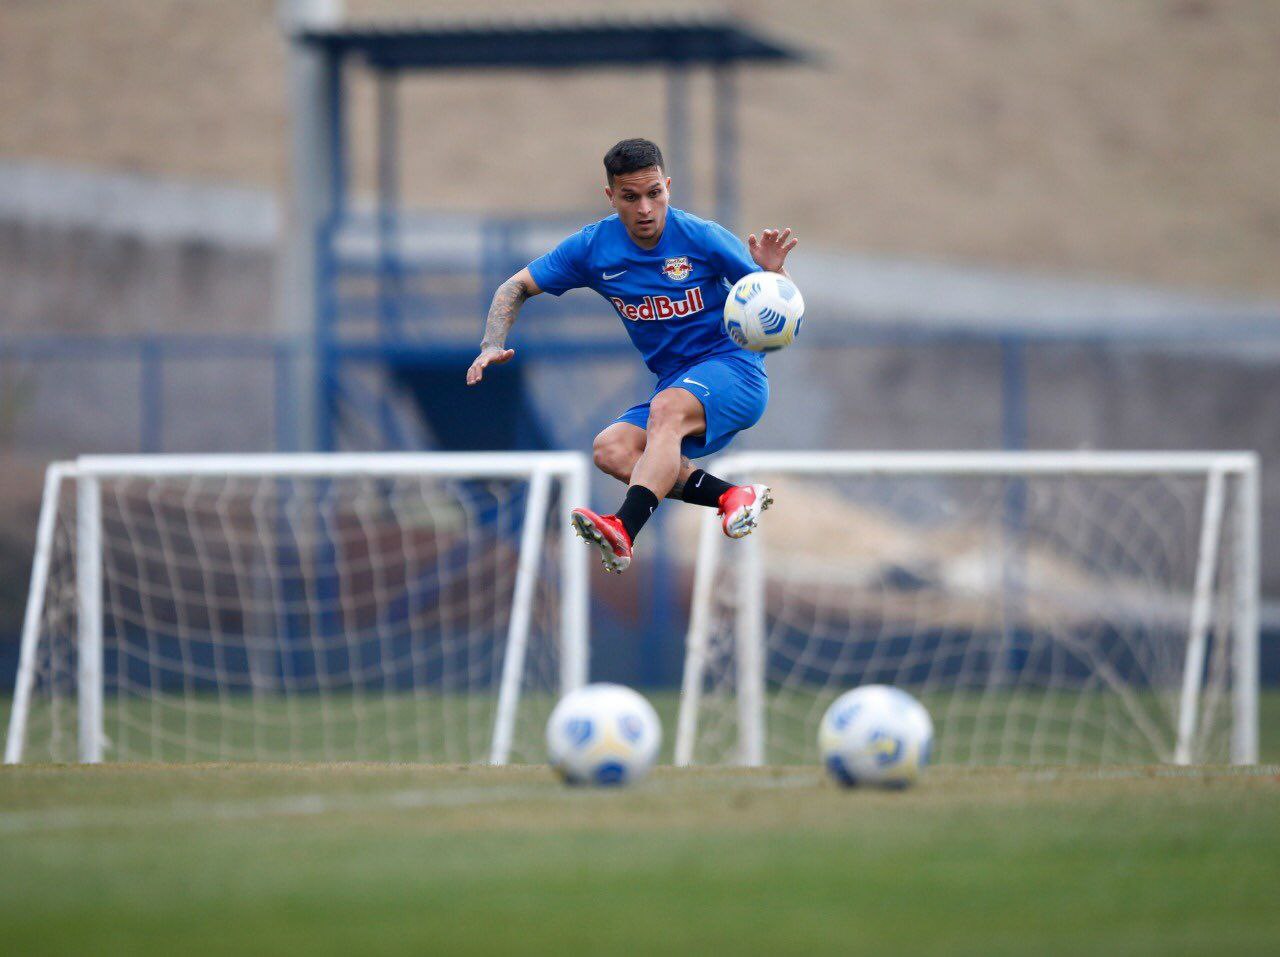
pixel 250 225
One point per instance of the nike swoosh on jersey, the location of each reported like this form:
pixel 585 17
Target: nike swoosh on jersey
pixel 612 275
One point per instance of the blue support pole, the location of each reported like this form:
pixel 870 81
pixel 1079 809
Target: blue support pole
pixel 326 357
pixel 325 348
pixel 389 271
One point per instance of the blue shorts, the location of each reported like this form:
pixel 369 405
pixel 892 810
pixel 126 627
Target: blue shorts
pixel 733 392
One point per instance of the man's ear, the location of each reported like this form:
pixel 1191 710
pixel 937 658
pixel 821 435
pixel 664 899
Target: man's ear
pixel 608 194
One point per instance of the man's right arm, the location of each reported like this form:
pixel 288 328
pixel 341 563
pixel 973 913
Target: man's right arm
pixel 508 299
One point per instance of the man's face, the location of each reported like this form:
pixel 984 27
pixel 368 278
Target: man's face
pixel 640 199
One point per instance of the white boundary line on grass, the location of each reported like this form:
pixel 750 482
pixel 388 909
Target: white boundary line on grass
pixel 312 804
pixel 1120 774
pixel 290 805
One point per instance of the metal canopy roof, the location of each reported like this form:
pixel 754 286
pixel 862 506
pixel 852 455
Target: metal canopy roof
pixel 551 43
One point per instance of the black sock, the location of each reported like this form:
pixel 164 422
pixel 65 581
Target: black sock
pixel 636 509
pixel 702 488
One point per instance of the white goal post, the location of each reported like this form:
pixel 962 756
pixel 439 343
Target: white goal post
pixel 415 606
pixel 1080 607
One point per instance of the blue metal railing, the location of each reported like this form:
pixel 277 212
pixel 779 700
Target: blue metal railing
pixel 155 355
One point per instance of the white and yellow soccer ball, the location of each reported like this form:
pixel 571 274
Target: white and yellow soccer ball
pixel 875 735
pixel 763 312
pixel 603 735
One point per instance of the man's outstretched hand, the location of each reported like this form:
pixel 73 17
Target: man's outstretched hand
pixel 770 250
pixel 490 355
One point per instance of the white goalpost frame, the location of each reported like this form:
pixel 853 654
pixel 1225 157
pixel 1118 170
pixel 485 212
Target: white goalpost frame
pixel 571 469
pixel 40 563
pixel 750 658
pixel 531 535
pixel 1217 468
pixel 1201 608
pixel 89 673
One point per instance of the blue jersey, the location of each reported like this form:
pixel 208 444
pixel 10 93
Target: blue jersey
pixel 670 297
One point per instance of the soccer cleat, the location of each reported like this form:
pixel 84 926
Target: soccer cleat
pixel 740 508
pixel 607 534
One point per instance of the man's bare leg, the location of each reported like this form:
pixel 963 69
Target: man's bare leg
pixel 618 448
pixel 673 415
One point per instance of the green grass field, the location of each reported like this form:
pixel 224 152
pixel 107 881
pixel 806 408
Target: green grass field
pixel 381 859
pixel 364 859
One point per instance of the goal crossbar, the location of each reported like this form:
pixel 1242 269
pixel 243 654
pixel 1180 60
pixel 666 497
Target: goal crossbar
pixel 570 465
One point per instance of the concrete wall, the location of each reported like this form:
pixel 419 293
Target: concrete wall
pixel 68 284
pixel 77 280
pixel 85 255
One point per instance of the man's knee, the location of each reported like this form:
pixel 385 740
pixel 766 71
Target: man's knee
pixel 614 455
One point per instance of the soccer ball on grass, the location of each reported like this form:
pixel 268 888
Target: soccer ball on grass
pixel 875 735
pixel 603 734
pixel 763 312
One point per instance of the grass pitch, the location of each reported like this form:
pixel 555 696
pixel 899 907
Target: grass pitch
pixel 374 859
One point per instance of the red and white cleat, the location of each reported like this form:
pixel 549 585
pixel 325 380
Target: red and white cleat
pixel 607 534
pixel 740 508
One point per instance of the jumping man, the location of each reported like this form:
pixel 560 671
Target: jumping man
pixel 667 274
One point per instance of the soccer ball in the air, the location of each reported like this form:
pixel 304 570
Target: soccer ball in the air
pixel 763 312
pixel 603 734
pixel 875 735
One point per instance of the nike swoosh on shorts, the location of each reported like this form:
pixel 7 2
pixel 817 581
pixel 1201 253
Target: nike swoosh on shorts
pixel 695 382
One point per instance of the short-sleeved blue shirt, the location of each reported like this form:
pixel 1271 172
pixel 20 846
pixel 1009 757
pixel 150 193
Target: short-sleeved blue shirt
pixel 670 297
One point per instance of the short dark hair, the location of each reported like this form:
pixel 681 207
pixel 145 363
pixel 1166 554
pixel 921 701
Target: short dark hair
pixel 631 155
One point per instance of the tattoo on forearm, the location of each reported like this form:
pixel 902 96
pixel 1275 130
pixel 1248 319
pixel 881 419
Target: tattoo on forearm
pixel 507 301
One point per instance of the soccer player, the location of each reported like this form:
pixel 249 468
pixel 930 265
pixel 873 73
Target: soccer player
pixel 667 274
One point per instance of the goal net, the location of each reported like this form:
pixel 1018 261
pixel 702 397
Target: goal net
pixel 1046 608
pixel 417 607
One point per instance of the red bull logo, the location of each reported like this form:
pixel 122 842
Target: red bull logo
pixel 660 307
pixel 677 269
